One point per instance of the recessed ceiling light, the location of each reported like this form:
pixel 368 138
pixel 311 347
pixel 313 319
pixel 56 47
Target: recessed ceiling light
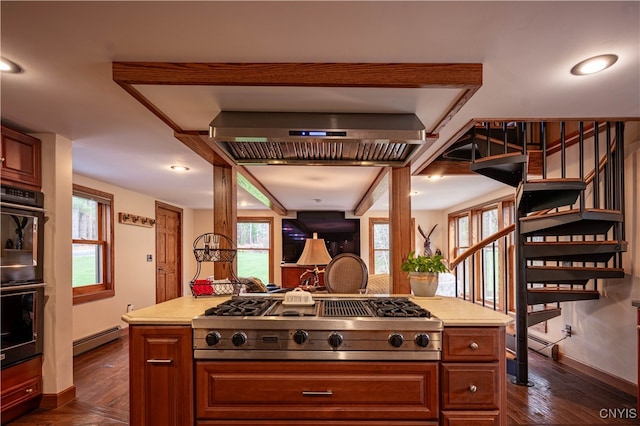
pixel 412 193
pixel 180 168
pixel 9 66
pixel 434 177
pixel 594 65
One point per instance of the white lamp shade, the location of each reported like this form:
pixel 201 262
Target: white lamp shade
pixel 314 253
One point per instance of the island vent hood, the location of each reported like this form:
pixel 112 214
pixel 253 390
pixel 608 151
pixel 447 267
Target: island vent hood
pixel 356 139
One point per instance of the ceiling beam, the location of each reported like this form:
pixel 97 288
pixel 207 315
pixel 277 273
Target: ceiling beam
pixel 390 75
pixel 378 187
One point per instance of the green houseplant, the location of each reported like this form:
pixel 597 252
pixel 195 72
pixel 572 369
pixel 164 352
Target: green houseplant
pixel 423 273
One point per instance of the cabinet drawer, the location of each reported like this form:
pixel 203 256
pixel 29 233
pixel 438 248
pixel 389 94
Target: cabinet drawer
pixel 316 390
pixel 470 386
pixel 23 392
pixel 475 418
pixel 472 344
pixel 320 422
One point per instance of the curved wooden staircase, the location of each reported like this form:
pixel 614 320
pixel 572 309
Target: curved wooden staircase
pixel 562 247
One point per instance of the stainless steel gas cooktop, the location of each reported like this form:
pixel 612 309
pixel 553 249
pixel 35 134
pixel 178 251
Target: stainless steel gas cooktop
pixel 368 328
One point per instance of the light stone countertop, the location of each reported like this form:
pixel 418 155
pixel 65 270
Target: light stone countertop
pixel 452 311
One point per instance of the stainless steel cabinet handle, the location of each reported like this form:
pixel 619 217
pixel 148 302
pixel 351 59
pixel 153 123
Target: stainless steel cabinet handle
pixel 317 393
pixel 473 389
pixel 159 361
pixel 474 346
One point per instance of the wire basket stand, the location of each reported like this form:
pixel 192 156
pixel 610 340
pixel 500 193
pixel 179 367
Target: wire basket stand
pixel 212 247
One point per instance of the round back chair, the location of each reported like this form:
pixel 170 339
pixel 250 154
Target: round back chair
pixel 346 273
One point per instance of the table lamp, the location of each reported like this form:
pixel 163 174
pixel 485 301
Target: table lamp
pixel 314 253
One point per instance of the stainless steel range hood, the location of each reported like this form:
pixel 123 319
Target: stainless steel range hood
pixel 362 139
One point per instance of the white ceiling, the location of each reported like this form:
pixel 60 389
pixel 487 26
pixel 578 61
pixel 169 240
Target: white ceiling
pixel 526 48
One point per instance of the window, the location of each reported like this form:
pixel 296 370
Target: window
pixel 379 240
pixel 380 243
pixel 92 242
pixel 255 248
pixel 484 277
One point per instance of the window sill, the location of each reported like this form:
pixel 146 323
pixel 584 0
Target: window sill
pixel 93 296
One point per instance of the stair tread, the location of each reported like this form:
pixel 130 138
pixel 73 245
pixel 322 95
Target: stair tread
pixel 553 180
pixel 572 268
pixel 568 212
pixel 499 157
pixel 560 290
pixel 575 243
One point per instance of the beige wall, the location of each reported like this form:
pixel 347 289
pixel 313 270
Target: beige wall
pixel 134 276
pixel 57 367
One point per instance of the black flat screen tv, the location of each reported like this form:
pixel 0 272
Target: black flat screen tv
pixel 339 234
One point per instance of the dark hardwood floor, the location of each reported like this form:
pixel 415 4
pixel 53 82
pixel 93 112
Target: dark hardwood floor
pixel 561 395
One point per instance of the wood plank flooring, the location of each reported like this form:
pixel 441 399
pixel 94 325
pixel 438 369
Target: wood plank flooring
pixel 561 395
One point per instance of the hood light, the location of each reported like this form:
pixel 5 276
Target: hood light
pixel 594 64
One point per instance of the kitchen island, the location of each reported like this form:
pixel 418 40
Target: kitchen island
pixel 167 386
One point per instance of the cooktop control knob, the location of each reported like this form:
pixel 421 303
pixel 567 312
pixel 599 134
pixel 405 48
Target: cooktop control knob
pixel 239 338
pixel 422 340
pixel 396 340
pixel 335 340
pixel 213 338
pixel 300 336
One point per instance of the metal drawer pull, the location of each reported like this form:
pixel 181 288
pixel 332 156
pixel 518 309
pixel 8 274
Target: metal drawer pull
pixel 159 361
pixel 29 390
pixel 473 388
pixel 317 393
pixel 474 346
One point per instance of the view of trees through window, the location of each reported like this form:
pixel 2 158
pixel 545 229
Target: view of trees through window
pixel 254 248
pixel 380 247
pixel 87 247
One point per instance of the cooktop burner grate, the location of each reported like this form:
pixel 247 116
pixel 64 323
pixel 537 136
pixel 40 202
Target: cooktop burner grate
pixel 398 308
pixel 345 308
pixel 234 307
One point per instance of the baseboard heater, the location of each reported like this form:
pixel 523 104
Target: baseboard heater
pixel 91 342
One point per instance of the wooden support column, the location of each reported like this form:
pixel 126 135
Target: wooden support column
pixel 225 211
pixel 399 226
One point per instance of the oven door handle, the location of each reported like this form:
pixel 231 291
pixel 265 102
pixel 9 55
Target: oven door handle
pixel 317 393
pixel 23 207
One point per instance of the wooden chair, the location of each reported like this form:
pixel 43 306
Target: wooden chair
pixel 346 273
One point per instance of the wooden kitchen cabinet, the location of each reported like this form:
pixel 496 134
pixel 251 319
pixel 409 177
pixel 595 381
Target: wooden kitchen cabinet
pixel 21 160
pixel 291 275
pixel 473 376
pixel 160 375
pixel 21 388
pixel 253 392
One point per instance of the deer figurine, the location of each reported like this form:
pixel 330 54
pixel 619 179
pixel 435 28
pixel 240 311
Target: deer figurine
pixel 427 240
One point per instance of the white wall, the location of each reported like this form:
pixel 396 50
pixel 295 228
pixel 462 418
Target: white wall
pixel 135 278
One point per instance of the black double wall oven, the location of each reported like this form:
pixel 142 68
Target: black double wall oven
pixel 21 270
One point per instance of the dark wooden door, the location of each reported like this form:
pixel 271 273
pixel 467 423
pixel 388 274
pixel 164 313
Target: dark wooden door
pixel 168 252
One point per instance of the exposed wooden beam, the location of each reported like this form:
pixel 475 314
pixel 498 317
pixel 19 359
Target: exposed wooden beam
pixel 250 184
pixel 391 75
pixel 194 140
pixel 225 213
pixel 378 187
pixel 399 233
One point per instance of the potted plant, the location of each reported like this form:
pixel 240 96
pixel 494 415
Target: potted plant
pixel 423 273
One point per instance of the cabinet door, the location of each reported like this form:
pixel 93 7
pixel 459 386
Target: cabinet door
pixel 21 388
pixel 21 159
pixel 161 375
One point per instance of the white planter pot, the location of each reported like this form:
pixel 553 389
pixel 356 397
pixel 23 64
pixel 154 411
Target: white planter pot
pixel 424 284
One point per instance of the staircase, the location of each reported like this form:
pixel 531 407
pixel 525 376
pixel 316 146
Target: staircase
pixel 569 230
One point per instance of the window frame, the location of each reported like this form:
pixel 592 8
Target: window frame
pixel 106 238
pixel 261 219
pixel 382 220
pixel 505 215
